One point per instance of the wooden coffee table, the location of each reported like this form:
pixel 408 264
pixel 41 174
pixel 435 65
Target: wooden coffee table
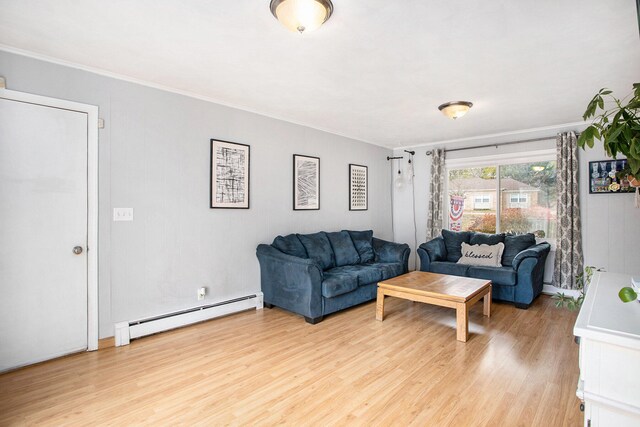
pixel 438 289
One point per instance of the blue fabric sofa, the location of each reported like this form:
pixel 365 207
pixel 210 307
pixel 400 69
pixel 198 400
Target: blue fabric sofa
pixel 321 273
pixel 518 280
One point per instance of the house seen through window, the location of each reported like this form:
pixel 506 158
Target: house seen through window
pixel 514 198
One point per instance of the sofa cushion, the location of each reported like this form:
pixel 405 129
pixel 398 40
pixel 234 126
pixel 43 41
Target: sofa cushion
pixel 454 269
pixel 504 276
pixel 486 239
pixel 453 241
pixel 318 249
pixel 362 242
pixel 388 269
pixel 515 244
pixel 343 248
pixel 487 255
pixel 365 273
pixel 290 245
pixel 337 283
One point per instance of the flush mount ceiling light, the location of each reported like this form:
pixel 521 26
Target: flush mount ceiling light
pixel 455 109
pixel 301 15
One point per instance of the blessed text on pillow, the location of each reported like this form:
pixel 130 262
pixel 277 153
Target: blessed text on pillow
pixel 484 255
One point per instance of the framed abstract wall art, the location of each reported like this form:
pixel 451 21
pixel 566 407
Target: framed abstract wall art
pixel 358 190
pixel 306 183
pixel 603 179
pixel 229 175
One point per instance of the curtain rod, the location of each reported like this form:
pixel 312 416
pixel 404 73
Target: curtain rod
pixel 498 144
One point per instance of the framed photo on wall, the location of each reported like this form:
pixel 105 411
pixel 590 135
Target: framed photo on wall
pixel 229 175
pixel 603 179
pixel 306 183
pixel 358 188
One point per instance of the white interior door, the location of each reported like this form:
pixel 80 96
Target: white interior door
pixel 43 217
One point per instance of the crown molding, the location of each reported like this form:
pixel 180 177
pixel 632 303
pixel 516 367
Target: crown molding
pixel 539 132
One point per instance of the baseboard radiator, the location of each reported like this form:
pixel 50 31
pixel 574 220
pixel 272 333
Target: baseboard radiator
pixel 126 331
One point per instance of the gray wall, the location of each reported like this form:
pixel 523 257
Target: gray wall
pixel 154 157
pixel 610 223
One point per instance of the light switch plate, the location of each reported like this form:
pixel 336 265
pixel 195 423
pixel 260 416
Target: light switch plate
pixel 123 214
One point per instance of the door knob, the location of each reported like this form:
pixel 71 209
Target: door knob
pixel 77 250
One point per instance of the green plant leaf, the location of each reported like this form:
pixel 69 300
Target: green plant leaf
pixel 627 294
pixel 634 166
pixel 586 137
pixel 634 104
pixel 591 108
pixel 613 135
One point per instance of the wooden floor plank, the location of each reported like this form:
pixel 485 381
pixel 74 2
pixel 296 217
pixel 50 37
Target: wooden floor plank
pixel 269 367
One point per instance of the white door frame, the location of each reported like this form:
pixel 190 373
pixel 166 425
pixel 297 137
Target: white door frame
pixel 92 197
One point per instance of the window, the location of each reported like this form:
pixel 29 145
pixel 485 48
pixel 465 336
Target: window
pixel 518 200
pixel 482 201
pixel 505 198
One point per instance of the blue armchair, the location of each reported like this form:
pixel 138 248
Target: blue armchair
pixel 520 277
pixel 317 274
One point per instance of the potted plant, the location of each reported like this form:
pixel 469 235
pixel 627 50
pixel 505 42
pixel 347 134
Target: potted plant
pixel 618 128
pixel 582 283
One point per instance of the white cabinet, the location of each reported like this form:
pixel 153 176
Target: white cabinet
pixel 609 332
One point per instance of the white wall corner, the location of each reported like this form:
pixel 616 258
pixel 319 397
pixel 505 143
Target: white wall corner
pixel 122 334
pixel 259 300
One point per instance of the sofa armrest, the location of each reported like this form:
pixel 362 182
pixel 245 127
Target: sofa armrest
pixel 436 249
pixel 270 251
pixel 529 265
pixel 538 251
pixel 391 252
pixel 431 251
pixel 289 282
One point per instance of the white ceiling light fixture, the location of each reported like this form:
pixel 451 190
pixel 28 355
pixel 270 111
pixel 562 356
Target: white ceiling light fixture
pixel 455 109
pixel 302 15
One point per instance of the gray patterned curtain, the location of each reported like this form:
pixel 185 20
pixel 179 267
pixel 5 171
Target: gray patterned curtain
pixel 435 213
pixel 568 261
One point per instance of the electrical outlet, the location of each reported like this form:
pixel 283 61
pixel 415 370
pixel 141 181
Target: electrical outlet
pixel 201 293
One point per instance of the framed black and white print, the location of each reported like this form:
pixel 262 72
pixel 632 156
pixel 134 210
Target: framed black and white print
pixel 358 190
pixel 229 179
pixel 306 183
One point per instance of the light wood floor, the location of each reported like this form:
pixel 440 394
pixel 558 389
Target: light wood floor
pixel 519 368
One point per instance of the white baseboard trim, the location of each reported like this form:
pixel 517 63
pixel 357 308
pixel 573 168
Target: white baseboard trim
pixel 552 290
pixel 126 331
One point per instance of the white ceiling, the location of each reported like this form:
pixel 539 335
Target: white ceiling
pixel 376 71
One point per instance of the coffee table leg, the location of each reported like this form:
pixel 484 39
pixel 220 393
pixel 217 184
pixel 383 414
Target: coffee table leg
pixel 486 310
pixel 462 322
pixel 380 305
